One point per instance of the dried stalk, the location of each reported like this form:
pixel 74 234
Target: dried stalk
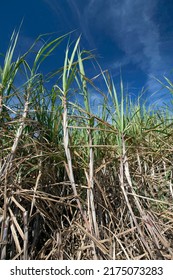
pixel 15 238
pixel 7 164
pixel 91 186
pixel 5 238
pixel 14 220
pixel 69 160
pixel 97 242
pixel 124 169
pixel 25 242
pixel 35 190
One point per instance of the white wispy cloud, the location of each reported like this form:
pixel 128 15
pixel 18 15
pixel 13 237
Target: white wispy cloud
pixel 130 24
pixel 58 11
pixel 55 7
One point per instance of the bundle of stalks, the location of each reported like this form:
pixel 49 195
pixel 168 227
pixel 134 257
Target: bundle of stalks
pixel 77 183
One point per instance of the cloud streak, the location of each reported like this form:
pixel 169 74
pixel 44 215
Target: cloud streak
pixel 130 24
pixel 63 21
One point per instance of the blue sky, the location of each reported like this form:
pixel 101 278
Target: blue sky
pixel 134 35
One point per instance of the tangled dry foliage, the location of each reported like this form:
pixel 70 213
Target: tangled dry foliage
pixel 77 185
